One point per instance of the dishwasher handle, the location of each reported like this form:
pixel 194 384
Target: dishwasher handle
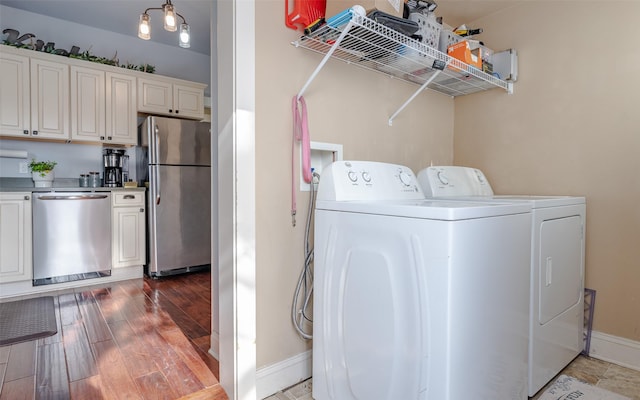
pixel 74 197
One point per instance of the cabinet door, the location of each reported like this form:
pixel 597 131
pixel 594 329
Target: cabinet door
pixel 129 236
pixel 188 101
pixel 155 96
pixel 87 104
pixel 15 237
pixel 121 109
pixel 49 99
pixel 15 117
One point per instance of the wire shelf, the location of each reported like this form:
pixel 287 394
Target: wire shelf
pixel 373 46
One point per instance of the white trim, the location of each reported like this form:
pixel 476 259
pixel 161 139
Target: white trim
pixel 614 349
pixel 214 350
pixel 283 374
pixel 235 52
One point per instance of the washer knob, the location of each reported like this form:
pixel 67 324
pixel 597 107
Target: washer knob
pixel 404 178
pixel 366 177
pixel 443 178
pixel 353 177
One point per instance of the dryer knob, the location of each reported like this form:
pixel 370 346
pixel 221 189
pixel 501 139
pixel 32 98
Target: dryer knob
pixel 405 178
pixel 480 176
pixel 353 177
pixel 443 178
pixel 366 177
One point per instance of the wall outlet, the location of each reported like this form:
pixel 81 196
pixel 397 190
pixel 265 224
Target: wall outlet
pixel 322 154
pixel 23 167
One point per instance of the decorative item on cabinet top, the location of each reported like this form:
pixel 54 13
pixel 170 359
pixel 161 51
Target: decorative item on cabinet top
pixel 358 40
pixel 14 39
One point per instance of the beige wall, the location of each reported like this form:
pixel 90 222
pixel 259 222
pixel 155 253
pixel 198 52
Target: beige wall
pixel 571 127
pixel 346 105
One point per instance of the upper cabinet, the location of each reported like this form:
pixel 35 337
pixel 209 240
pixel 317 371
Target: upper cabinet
pixel 173 97
pixel 103 106
pixel 35 97
pixel 122 124
pixel 52 97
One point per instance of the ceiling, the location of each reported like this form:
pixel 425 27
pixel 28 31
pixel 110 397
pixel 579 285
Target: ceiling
pixel 122 15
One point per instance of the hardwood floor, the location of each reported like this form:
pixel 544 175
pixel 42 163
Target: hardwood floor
pixel 136 339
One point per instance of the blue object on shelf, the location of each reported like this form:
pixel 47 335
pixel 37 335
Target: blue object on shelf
pixel 342 18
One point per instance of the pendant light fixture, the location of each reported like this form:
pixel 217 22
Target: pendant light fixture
pixel 170 24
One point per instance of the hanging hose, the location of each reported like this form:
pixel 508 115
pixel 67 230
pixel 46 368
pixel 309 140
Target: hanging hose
pixel 300 309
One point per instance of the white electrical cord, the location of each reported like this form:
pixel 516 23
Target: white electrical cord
pixel 300 309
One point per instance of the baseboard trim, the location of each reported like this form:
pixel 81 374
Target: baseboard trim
pixel 281 375
pixel 214 350
pixel 616 350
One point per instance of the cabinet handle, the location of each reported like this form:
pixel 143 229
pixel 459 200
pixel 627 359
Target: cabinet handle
pixel 177 111
pixel 35 133
pixel 26 197
pixel 142 210
pixel 170 110
pixel 101 137
pixel 109 138
pixel 26 131
pixel 129 196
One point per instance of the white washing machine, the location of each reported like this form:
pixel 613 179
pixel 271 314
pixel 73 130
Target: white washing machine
pixel 557 266
pixel 415 298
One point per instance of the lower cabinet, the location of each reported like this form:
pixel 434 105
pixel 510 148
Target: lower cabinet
pixel 15 237
pixel 128 229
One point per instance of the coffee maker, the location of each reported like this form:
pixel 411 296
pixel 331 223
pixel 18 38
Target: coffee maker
pixel 116 167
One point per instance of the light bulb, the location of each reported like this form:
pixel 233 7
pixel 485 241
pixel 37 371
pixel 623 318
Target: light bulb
pixel 169 18
pixel 185 36
pixel 144 29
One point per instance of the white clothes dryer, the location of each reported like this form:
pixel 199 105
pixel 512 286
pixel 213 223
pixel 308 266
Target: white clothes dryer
pixel 556 325
pixel 415 298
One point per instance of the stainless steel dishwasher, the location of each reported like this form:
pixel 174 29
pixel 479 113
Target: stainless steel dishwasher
pixel 71 236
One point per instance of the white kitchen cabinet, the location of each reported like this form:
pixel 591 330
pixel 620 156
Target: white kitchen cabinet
pixel 173 97
pixel 15 115
pixel 128 230
pixel 122 111
pixel 15 237
pixel 103 106
pixel 88 108
pixel 35 97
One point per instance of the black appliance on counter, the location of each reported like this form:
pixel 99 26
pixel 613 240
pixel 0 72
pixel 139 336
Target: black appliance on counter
pixel 116 167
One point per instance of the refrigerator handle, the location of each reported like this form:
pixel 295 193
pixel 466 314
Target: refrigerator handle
pixel 157 167
pixel 157 183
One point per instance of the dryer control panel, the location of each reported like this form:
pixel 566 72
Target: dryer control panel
pixel 452 181
pixel 368 180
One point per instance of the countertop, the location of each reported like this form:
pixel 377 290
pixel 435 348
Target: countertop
pixel 59 185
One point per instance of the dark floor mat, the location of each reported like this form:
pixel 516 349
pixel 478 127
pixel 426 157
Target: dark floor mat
pixel 25 320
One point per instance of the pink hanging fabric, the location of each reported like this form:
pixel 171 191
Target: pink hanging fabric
pixel 300 134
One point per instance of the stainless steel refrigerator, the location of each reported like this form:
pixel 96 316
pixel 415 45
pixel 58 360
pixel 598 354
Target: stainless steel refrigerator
pixel 174 157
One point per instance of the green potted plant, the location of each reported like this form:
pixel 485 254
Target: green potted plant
pixel 42 172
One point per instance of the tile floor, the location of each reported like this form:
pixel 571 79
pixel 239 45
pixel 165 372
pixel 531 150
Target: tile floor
pixel 599 373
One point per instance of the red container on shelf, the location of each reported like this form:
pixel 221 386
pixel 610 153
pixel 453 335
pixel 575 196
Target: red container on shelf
pixel 304 13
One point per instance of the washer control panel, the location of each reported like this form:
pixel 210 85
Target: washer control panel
pixel 368 180
pixel 451 181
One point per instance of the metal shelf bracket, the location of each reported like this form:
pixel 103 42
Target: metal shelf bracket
pixel 325 59
pixel 410 99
